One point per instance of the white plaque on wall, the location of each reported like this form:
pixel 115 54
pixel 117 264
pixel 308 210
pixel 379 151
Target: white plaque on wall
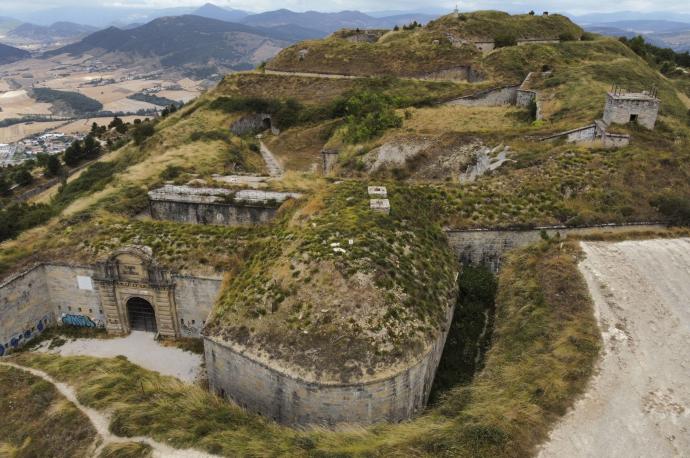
pixel 84 283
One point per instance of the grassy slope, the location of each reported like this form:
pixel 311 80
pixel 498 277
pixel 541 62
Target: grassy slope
pixel 552 182
pixel 38 420
pixel 491 24
pixel 115 190
pixel 544 347
pixel 413 52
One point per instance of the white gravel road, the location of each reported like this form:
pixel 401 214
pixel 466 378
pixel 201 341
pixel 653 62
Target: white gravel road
pixel 140 348
pixel 638 404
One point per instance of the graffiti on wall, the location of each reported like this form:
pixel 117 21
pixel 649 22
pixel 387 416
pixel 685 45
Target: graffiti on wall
pixel 20 338
pixel 80 321
pixel 189 330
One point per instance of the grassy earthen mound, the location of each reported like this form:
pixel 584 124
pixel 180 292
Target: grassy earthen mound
pixel 342 292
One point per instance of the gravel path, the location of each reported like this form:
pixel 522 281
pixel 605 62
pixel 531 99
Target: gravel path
pixel 274 168
pixel 140 348
pixel 101 423
pixel 638 404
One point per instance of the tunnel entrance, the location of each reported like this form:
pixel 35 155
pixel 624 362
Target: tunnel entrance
pixel 266 124
pixel 141 315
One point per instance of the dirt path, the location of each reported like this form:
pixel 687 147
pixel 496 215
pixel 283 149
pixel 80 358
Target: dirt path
pixel 638 404
pixel 101 422
pixel 272 164
pixel 314 75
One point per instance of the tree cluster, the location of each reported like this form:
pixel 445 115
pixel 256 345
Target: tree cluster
pixel 665 59
pixel 80 151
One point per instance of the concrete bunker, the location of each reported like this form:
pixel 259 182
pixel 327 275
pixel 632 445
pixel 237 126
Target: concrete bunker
pixel 253 124
pixel 217 206
pixel 624 107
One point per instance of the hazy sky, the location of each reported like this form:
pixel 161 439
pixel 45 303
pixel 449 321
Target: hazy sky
pixel 571 6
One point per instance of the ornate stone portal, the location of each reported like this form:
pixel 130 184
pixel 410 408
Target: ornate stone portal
pixel 130 285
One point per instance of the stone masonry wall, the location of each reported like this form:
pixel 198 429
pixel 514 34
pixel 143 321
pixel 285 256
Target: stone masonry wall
pixel 73 295
pixel 25 308
pixel 488 246
pixel 210 213
pixel 618 110
pixel 489 98
pixel 50 294
pixel 290 400
pixel 194 298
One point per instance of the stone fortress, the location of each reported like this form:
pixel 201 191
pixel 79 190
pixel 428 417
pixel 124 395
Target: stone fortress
pixel 129 290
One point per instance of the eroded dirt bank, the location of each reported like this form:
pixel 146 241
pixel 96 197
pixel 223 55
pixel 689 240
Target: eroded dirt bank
pixel 638 405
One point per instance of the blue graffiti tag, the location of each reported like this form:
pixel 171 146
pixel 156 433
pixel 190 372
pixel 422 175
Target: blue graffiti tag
pixel 79 321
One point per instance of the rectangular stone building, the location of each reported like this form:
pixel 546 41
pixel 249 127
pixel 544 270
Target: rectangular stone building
pixel 624 108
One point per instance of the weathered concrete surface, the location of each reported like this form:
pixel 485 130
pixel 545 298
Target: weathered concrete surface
pixel 638 405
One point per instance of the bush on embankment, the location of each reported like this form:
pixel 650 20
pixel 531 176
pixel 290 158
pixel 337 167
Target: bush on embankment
pixel 545 343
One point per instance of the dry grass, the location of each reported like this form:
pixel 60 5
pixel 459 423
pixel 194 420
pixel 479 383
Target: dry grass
pixel 39 421
pixel 299 148
pixel 451 118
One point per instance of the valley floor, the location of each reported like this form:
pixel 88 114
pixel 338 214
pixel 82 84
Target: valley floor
pixel 638 404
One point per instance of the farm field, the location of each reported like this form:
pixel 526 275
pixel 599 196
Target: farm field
pixel 18 131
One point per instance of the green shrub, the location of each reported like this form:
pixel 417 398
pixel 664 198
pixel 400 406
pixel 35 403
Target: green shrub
pixel 676 209
pixel 505 39
pixel 369 114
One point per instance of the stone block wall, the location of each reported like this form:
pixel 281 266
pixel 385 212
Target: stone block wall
pixel 251 124
pixel 234 374
pixel 453 74
pixel 25 308
pixel 73 295
pixel 487 247
pixel 620 108
pixel 194 298
pixel 210 213
pixel 489 98
pixel 61 294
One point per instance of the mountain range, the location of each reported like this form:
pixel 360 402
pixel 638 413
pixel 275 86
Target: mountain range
pixel 188 41
pixel 53 32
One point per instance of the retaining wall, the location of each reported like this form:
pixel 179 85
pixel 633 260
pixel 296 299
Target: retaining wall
pixel 194 299
pixel 290 400
pixel 60 294
pixel 227 214
pixel 489 98
pixel 487 247
pixel 25 308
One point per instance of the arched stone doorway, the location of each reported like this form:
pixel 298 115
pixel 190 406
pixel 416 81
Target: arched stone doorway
pixel 136 293
pixel 141 315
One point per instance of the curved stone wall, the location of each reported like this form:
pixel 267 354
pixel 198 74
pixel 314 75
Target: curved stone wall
pixel 232 373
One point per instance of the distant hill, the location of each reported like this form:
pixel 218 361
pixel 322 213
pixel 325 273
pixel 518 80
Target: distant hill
pixel 662 33
pixel 56 31
pixel 330 22
pixel 190 42
pixel 7 24
pixel 212 11
pixel 9 54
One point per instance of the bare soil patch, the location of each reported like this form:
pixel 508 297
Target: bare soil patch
pixel 639 402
